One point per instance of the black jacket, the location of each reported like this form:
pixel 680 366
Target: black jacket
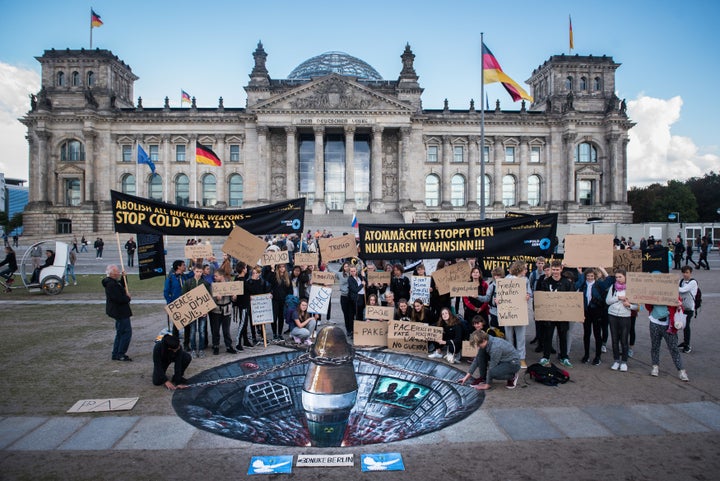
pixel 117 303
pixel 11 261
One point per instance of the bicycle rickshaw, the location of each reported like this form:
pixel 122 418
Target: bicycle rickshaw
pixel 51 278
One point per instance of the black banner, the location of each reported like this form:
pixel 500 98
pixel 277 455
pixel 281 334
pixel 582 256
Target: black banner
pixel 137 215
pixel 488 263
pixel 530 236
pixel 151 256
pixel 656 260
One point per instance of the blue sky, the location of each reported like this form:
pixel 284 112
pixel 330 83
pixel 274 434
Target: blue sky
pixel 666 49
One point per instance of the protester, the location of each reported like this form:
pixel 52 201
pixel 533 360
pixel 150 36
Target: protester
pixel 281 287
pixel 174 289
pixel 593 290
pixel 496 359
pixel 452 337
pixel 305 323
pixel 403 312
pixel 99 245
pixel 130 247
pixel 241 306
pixel 515 335
pixel 556 283
pixel 220 318
pixel 70 269
pixel 662 326
pixel 346 306
pixel 688 289
pixel 198 328
pixel 356 292
pixel 83 244
pixel 117 306
pixel 619 311
pixel 490 295
pixel 472 305
pixel 168 351
pixel 254 286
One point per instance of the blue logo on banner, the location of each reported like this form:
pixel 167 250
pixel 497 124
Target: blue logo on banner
pixel 545 243
pixel 296 224
pixel 382 462
pixel 270 464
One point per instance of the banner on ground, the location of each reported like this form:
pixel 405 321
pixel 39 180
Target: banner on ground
pixel 531 235
pixel 134 215
pixel 151 256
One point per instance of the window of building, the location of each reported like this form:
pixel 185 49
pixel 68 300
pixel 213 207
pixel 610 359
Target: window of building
pixel 90 79
pixel 509 154
pixel 586 192
pixel 457 190
pixel 569 83
pixel 362 171
pixel 72 192
pixel 127 153
pixel 179 153
pixel 76 79
pixel 486 153
pixel 432 190
pixel 583 83
pixel 487 191
pixel 306 167
pixel 155 188
pixel 154 153
pixel 60 79
pixel 334 152
pixel 234 153
pixel 72 151
pixel 597 84
pixel 535 154
pixel 533 190
pixel 63 226
pixel 127 184
pixel 182 190
pixel 458 153
pixel 432 153
pixel 508 190
pixel 235 191
pixel 586 153
pixel 209 190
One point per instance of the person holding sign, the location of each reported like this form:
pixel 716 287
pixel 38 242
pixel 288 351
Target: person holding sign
pixel 556 283
pixel 347 308
pixel 515 335
pixel 594 303
pixel 496 358
pixel 242 306
pixel 399 284
pixel 403 311
pixel 662 326
pixel 356 292
pixel 281 287
pixel 421 313
pixel 254 286
pixel 473 306
pixel 372 300
pixel 619 312
pixel 304 324
pixel 220 318
pixel 117 306
pixel 197 341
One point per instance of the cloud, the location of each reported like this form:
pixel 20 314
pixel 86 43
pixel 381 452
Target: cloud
pixel 15 86
pixel 654 154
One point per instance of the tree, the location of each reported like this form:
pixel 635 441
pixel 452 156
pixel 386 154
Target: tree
pixel 707 193
pixel 654 202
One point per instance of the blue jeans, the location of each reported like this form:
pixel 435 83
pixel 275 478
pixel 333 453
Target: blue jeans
pixel 70 273
pixel 123 334
pixel 202 324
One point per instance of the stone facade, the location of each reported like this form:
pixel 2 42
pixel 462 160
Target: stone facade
pixel 381 151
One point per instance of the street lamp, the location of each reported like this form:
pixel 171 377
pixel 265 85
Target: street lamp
pixel 674 216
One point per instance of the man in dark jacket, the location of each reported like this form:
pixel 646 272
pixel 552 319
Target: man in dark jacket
pixel 166 352
pixel 117 306
pixel 556 283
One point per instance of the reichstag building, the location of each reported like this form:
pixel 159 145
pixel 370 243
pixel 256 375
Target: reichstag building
pixel 335 132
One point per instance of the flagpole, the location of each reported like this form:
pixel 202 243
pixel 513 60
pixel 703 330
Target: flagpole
pixel 91 27
pixel 482 129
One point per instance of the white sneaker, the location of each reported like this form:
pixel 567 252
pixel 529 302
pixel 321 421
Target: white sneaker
pixel 655 371
pixel 615 366
pixel 623 367
pixel 435 355
pixel 603 348
pixel 683 375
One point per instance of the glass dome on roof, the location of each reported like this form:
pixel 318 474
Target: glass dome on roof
pixel 334 62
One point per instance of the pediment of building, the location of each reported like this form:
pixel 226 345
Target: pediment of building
pixel 589 169
pixel 332 93
pixel 65 169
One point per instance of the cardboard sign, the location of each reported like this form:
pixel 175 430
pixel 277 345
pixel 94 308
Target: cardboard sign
pixel 444 277
pixel 420 289
pixel 377 313
pixel 323 278
pixel 418 331
pixel 319 299
pixel 306 259
pixel 647 288
pixel 378 277
pixel 559 306
pixel 411 346
pixel 464 289
pixel 261 308
pixel 100 405
pixel 468 350
pixel 273 258
pixel 234 288
pixel 198 251
pixel 511 300
pixel 187 308
pixel 244 246
pixel 588 250
pixel 628 259
pixel 370 333
pixel 334 248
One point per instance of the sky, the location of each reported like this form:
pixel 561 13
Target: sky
pixel 666 48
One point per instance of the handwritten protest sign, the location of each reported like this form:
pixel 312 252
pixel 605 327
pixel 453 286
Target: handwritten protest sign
pixel 444 277
pixel 511 299
pixel 370 333
pixel 378 313
pixel 99 405
pixel 420 289
pixel 341 247
pixel 187 308
pixel 468 350
pixel 323 277
pixel 414 330
pixel 261 307
pixel 234 288
pixel 628 259
pixel 273 258
pixel 245 246
pixel 306 259
pixel 559 306
pixel 647 288
pixel 198 251
pixel 463 289
pixel 319 299
pixel 588 250
pixel 378 277
pixel 410 346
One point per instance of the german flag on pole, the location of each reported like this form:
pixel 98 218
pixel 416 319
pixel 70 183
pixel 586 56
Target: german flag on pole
pixel 492 73
pixel 204 155
pixel 95 19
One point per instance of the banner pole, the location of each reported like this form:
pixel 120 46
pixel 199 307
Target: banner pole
pixel 122 267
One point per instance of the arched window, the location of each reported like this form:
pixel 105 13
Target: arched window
pixel 583 83
pixel 597 84
pixel 61 79
pixel 508 190
pixel 586 153
pixel 534 191
pixel 75 79
pixel 569 83
pixel 209 190
pixel 487 191
pixel 155 188
pixel 72 151
pixel 90 79
pixel 127 184
pixel 182 190
pixel 432 190
pixel 457 190
pixel 235 190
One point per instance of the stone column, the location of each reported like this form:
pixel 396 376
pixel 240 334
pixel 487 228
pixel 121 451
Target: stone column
pixel 497 172
pixel 523 182
pixel 291 162
pixel 568 146
pixel 166 159
pixel 195 189
pixel 376 172
pixel 264 164
pixel 445 188
pixel 319 203
pixel 403 169
pixel 616 166
pixel 349 205
pixel 221 178
pixel 91 165
pixel 42 192
pixel 473 167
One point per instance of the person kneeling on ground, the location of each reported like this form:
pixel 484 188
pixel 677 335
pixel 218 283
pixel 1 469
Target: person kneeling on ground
pixel 496 356
pixel 166 352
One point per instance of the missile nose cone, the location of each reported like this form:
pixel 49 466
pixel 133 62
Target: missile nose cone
pixel 331 343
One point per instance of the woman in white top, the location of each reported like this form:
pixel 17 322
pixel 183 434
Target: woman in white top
pixel 619 311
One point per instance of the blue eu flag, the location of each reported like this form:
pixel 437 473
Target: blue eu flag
pixel 144 158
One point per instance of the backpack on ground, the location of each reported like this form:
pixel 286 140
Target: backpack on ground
pixel 548 375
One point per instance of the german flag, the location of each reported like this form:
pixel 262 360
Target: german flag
pixel 205 155
pixel 95 19
pixel 494 73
